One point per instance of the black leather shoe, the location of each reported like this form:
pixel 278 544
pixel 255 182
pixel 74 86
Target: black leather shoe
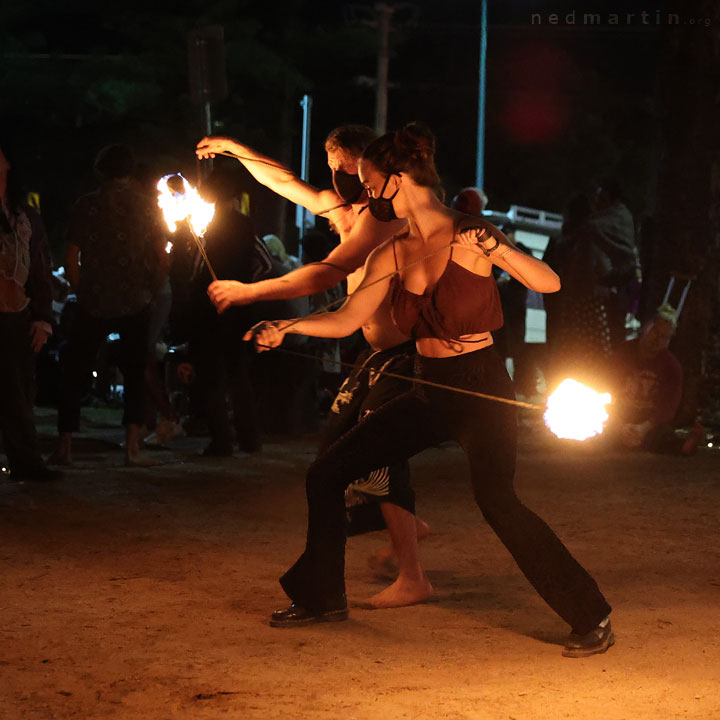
pixel 215 449
pixel 41 474
pixel 598 640
pixel 297 616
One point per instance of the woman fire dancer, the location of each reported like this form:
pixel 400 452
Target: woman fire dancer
pixel 438 274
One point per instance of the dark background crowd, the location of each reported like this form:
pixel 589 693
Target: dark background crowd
pixel 583 121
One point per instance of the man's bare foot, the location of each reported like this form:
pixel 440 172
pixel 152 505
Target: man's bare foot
pixel 401 593
pixel 62 455
pixel 694 438
pixel 137 459
pixel 384 561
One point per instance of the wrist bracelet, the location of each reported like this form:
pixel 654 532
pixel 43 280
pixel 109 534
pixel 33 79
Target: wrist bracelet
pixel 488 251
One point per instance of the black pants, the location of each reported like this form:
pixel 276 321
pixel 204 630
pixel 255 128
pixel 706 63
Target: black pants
pixel 17 389
pixel 365 390
pixel 486 430
pixel 222 363
pixel 77 356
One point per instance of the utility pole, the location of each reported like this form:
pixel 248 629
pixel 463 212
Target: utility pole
pixel 303 219
pixel 384 15
pixel 206 67
pixel 480 162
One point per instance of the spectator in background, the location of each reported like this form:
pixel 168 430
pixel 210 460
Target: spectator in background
pixel 316 246
pixel 470 200
pixel 510 339
pixel 276 248
pixel 647 386
pixel 614 232
pixel 647 237
pixel 25 317
pixel 582 339
pixel 220 358
pixel 115 261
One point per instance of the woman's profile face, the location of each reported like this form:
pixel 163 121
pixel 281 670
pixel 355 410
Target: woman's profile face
pixel 374 180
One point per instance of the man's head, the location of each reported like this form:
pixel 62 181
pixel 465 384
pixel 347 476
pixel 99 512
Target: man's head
pixel 658 331
pixel 608 193
pixel 115 162
pixel 344 145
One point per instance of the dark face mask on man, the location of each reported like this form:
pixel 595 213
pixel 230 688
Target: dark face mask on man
pixel 347 185
pixel 381 208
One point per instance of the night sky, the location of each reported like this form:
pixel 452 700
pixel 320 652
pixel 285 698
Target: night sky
pixel 567 104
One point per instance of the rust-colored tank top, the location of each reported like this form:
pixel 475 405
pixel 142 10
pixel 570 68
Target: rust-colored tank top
pixel 461 303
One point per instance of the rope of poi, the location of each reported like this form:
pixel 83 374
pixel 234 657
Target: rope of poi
pixel 420 381
pixel 330 305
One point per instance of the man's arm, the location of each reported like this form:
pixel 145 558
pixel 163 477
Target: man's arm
pixel 272 174
pixel 347 257
pixel 355 311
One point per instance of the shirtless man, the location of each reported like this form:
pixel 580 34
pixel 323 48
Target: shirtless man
pixel 365 389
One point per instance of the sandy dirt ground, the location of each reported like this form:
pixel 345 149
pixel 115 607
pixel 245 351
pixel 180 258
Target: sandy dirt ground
pixel 145 593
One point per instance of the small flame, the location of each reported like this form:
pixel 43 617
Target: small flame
pixel 575 411
pixel 187 205
pixel 168 247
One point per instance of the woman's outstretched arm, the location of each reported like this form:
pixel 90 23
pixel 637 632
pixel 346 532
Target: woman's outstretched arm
pixel 352 315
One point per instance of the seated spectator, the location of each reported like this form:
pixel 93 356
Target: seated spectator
pixel 647 386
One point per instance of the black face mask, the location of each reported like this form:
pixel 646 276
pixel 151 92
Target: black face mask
pixel 381 208
pixel 347 185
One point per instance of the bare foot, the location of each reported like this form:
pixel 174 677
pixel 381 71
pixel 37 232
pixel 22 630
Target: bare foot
pixel 384 561
pixel 402 592
pixel 138 460
pixel 694 438
pixel 60 456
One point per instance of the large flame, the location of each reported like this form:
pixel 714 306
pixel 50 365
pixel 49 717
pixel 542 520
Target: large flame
pixel 187 205
pixel 575 411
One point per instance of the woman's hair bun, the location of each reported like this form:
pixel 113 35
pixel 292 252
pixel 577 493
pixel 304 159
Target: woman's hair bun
pixel 416 140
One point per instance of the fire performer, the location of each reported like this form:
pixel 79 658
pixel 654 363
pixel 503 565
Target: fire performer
pixel 388 487
pixel 439 277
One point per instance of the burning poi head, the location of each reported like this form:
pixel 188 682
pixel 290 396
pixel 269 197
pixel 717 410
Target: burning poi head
pixel 575 411
pixel 186 205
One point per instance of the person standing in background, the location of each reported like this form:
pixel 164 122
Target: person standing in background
pixel 115 262
pixel 25 317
